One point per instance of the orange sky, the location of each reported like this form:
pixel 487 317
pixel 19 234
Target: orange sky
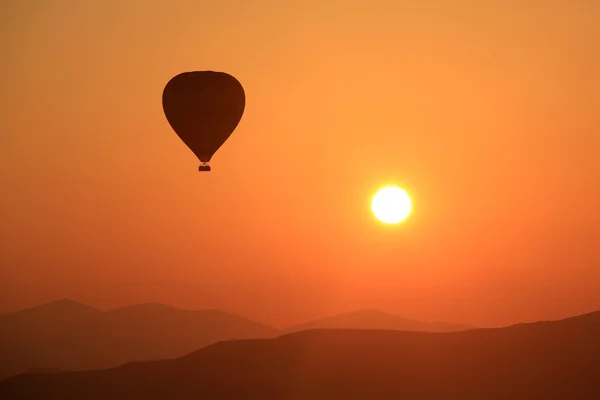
pixel 486 113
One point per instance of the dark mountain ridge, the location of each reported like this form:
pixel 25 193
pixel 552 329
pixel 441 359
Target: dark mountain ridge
pixel 545 360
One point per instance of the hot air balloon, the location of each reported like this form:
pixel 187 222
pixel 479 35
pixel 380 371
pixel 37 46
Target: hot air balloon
pixel 203 108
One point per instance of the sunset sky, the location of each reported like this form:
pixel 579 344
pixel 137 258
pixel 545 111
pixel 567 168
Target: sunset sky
pixel 486 112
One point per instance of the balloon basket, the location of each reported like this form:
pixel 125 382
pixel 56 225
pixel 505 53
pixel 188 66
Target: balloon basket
pixel 204 167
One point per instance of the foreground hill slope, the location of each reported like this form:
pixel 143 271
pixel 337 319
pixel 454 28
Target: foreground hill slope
pixel 546 360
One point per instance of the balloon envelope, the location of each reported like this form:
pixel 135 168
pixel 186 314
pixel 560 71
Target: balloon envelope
pixel 204 108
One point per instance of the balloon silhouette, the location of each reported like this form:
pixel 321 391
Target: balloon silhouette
pixel 203 108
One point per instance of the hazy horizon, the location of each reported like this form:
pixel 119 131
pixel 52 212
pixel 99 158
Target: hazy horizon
pixel 296 320
pixel 485 112
pixel 362 316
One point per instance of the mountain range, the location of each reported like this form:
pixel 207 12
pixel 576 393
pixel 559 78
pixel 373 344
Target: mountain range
pixel 544 360
pixel 67 335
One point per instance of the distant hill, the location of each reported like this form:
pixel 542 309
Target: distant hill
pixel 371 319
pixel 547 360
pixel 68 335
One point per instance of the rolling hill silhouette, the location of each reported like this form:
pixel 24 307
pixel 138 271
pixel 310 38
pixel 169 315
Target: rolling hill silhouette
pixel 372 319
pixel 68 335
pixel 546 360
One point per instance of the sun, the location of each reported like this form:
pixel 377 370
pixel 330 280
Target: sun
pixel 391 205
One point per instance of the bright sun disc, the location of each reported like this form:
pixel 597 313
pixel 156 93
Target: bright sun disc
pixel 391 205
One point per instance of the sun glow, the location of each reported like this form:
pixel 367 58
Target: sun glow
pixel 391 205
